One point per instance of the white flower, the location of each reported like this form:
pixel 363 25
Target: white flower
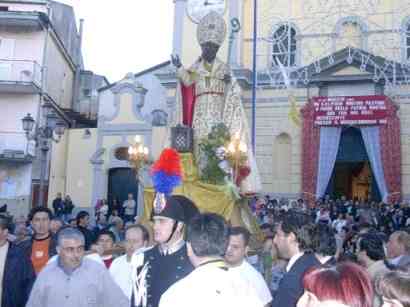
pixel 220 153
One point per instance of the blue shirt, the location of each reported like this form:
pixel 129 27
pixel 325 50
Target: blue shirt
pixel 90 285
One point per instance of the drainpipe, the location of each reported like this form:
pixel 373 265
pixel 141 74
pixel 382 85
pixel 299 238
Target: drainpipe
pixel 77 76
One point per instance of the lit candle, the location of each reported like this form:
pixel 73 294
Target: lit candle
pixel 231 148
pixel 146 151
pixel 237 136
pixel 130 150
pixel 137 139
pixel 243 147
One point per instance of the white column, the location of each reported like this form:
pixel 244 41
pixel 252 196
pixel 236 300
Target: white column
pixel 179 14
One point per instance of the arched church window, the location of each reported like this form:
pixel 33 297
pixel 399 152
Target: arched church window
pixel 159 118
pixel 121 153
pixel 284 45
pixel 282 162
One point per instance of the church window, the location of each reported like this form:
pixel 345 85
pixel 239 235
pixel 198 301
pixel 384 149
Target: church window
pixel 350 32
pixel 284 46
pixel 121 153
pixel 282 162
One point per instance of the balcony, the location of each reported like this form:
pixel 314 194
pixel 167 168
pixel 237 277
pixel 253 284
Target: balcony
pixel 24 20
pixel 14 147
pixel 20 76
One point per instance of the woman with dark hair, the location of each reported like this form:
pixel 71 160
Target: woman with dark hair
pixel 346 283
pixel 394 288
pixel 115 206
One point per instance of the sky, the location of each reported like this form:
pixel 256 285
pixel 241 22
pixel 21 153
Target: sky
pixel 124 36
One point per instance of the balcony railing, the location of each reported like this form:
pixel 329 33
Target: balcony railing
pixel 20 71
pixel 15 147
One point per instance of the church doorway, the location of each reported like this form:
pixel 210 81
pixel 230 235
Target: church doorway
pixel 121 182
pixel 352 175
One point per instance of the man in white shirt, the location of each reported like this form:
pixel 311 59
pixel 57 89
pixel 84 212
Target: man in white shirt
pixel 238 247
pixel 136 241
pixel 129 208
pixel 211 283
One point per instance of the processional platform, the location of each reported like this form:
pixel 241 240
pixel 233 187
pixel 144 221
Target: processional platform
pixel 208 197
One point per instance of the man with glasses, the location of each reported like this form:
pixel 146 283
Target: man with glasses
pixel 72 280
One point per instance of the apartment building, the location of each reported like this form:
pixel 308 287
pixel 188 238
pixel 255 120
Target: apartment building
pixel 40 74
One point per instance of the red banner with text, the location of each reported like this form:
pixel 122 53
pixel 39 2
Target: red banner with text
pixel 350 110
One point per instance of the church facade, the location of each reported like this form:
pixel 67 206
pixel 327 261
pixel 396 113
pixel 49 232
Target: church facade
pixel 357 50
pixel 306 55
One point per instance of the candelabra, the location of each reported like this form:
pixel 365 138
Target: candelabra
pixel 236 155
pixel 137 154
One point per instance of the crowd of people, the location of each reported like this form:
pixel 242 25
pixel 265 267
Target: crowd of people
pixel 105 210
pixel 330 253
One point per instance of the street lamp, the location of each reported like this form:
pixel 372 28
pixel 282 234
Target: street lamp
pixel 42 135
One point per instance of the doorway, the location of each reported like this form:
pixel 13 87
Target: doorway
pixel 352 175
pixel 121 182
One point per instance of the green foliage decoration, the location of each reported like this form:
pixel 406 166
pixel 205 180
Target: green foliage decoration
pixel 210 170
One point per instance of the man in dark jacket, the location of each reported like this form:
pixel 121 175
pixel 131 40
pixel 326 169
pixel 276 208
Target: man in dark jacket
pixel 83 221
pixel 293 240
pixel 16 273
pixel 68 208
pixel 58 206
pixel 42 245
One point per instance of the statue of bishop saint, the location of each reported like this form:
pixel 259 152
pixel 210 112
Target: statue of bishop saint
pixel 208 95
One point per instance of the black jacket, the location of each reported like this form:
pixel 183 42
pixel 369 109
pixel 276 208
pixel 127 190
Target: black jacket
pixel 291 288
pixel 68 207
pixel 89 236
pixel 18 278
pixel 27 247
pixel 164 271
pixel 58 206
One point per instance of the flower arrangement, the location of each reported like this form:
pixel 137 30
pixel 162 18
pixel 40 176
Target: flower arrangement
pixel 213 166
pixel 223 158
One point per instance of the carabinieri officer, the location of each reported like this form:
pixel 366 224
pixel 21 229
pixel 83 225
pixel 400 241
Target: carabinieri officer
pixel 167 262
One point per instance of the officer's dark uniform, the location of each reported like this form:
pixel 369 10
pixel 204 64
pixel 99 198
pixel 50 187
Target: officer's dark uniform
pixel 167 267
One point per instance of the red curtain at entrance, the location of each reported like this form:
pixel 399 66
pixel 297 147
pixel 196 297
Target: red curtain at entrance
pixel 391 152
pixel 310 152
